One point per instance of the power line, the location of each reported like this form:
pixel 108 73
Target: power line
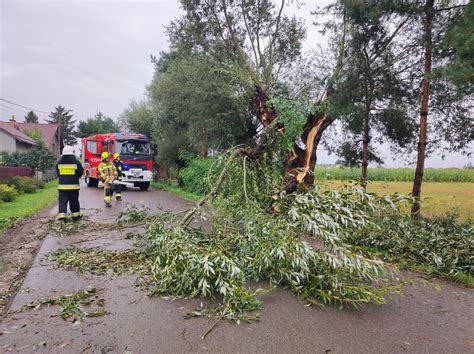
pixel 19 105
pixel 11 110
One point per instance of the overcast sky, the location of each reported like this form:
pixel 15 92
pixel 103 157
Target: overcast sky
pixel 95 55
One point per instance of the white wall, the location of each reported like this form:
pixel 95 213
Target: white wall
pixel 7 142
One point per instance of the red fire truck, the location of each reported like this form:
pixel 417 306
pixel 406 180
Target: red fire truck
pixel 134 150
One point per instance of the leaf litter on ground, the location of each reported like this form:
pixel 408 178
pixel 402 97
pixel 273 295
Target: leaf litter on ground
pixel 73 305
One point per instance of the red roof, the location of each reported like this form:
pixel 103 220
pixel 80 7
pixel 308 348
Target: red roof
pixel 48 131
pixel 18 135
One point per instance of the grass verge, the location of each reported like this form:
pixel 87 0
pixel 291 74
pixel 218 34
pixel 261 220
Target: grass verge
pixel 26 205
pixel 426 269
pixel 437 197
pixel 173 188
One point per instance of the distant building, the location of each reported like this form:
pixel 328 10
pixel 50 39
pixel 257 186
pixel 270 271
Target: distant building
pixel 12 139
pixel 49 132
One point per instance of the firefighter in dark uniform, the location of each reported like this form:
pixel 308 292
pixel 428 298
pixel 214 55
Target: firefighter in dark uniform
pixel 69 171
pixel 119 167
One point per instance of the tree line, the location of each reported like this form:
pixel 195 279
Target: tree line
pixel 68 131
pixel 394 72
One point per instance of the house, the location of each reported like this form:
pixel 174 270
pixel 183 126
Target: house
pixel 49 132
pixel 12 139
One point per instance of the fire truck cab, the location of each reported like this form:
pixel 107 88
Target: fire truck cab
pixel 135 153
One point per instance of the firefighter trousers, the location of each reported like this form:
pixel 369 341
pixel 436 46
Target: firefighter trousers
pixel 118 191
pixel 108 192
pixel 71 197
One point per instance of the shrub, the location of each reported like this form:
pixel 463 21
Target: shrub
pixel 24 184
pixel 39 183
pixel 7 193
pixel 194 177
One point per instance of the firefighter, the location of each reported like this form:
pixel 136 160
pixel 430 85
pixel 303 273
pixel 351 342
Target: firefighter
pixel 69 171
pixel 119 167
pixel 108 174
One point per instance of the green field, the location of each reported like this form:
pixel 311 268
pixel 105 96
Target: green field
pixel 437 197
pixel 26 205
pixel 395 174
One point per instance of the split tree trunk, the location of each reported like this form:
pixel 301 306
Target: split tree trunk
pixel 422 142
pixel 300 164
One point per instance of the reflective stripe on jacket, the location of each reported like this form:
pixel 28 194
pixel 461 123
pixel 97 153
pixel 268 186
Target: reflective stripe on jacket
pixel 107 170
pixel 69 171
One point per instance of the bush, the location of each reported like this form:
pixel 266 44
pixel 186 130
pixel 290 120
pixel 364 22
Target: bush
pixel 194 177
pixel 39 183
pixel 7 193
pixel 25 184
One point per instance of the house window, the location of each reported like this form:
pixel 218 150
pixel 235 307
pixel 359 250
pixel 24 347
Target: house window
pixel 92 146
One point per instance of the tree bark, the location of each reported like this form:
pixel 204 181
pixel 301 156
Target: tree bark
pixel 204 149
pixel 365 148
pixel 300 165
pixel 422 141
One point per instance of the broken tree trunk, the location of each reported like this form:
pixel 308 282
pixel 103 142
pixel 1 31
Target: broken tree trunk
pixel 300 165
pixel 301 162
pixel 422 141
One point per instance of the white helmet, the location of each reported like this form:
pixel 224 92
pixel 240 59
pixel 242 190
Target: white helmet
pixel 68 150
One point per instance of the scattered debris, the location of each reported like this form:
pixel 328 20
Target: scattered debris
pixel 99 261
pixel 72 305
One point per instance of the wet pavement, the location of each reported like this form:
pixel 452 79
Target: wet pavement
pixel 425 320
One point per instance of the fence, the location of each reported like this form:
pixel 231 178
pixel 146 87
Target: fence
pixel 47 175
pixel 8 172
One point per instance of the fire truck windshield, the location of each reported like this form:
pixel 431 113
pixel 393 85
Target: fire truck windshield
pixel 133 147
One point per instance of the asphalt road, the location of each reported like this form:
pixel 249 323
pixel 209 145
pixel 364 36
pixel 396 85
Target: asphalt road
pixel 425 320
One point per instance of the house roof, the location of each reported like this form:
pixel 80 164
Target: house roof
pixel 18 135
pixel 48 131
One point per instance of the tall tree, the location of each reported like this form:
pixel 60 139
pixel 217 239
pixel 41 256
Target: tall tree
pixel 422 141
pixel 204 100
pixel 99 124
pixel 444 98
pixel 63 117
pixel 31 117
pixel 372 88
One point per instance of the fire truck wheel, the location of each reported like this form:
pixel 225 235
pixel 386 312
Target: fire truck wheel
pixel 144 186
pixel 91 182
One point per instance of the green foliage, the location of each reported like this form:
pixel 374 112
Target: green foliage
pixel 26 205
pixel 38 159
pixel 173 188
pixel 36 135
pixel 99 261
pixel 197 97
pixel 194 177
pixel 458 44
pixel 394 174
pixel 25 184
pixel 299 246
pixel 7 193
pixel 31 117
pixel 292 114
pixel 99 124
pixel 442 242
pixel 350 154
